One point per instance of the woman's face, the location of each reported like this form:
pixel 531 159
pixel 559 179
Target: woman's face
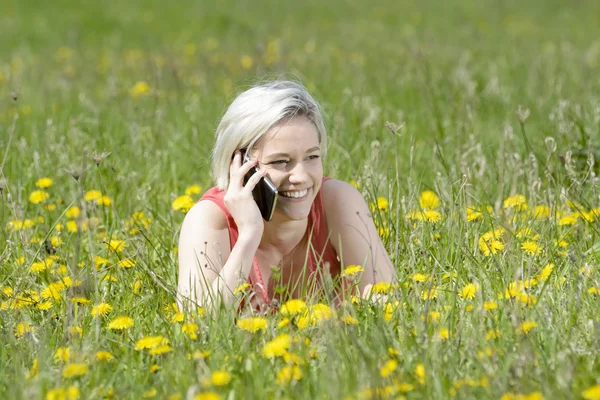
pixel 291 154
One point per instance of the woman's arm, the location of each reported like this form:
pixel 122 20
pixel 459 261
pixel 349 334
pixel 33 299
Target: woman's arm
pixel 208 270
pixel 353 233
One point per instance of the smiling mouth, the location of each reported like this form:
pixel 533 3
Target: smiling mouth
pixel 295 194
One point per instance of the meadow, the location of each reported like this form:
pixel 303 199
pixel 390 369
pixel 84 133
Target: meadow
pixel 471 127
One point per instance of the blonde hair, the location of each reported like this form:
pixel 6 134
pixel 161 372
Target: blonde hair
pixel 255 112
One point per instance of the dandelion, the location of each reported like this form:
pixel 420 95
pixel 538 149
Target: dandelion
pixel 161 350
pixel 593 393
pixel 541 212
pixel 34 370
pixel 207 396
pixel 150 342
pixel 351 270
pixel 252 324
pixel 288 373
pixel 492 334
pixel 468 291
pixel 38 196
pixel 517 202
pixel 74 370
pixel 430 294
pixel 121 323
pixel 148 394
pixel 349 320
pixel 527 326
pixel 139 89
pixel 490 305
pixel 388 367
pixel 116 245
pixel 193 189
pixel 182 203
pixel 276 347
pixel 473 214
pixel 530 247
pixel 241 288
pixel 70 393
pixel 566 220
pixel 104 201
pixel 101 310
pixel 293 307
pixel 489 247
pixel 444 334
pixel 92 195
pixel 220 378
pixel 190 330
pixel 104 356
pixel 43 183
pixel 429 200
pixel 246 62
pixel 381 288
pixel 545 272
pixel 420 372
pixel 22 328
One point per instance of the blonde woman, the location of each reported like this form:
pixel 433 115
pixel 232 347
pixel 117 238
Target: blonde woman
pixel 318 226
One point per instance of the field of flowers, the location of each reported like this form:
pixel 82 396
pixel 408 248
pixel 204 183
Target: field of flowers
pixel 472 128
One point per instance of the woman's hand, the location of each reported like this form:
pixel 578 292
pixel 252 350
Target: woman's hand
pixel 239 200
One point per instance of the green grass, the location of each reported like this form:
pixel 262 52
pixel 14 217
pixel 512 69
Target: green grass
pixel 451 75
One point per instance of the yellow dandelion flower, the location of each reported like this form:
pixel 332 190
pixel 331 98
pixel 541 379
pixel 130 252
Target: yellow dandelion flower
pixel 444 334
pixel 527 326
pixel 121 323
pixel 349 320
pixel 92 195
pixel 293 307
pixel 139 89
pixel 517 202
pixel 468 291
pixel 22 328
pixel 526 298
pixel 593 290
pixel 69 393
pixel 220 378
pixel 127 263
pixel 193 189
pixel 190 330
pixel 150 342
pixel 473 214
pixel 490 305
pixel 283 323
pixel 530 247
pixel 351 270
pixel 241 288
pixel 593 393
pixel 34 370
pixel 101 310
pixel 252 324
pixel 148 394
pixel 492 334
pixel 388 367
pixel 276 347
pixel 381 288
pixel 489 247
pixel 104 201
pixel 541 212
pixel 430 294
pixel 62 355
pixel 429 200
pixel 420 372
pixel 43 183
pixel 207 396
pixel 38 196
pixel 288 373
pixel 570 219
pixel 104 356
pixel 246 62
pixel 546 272
pixel 183 203
pixel 116 245
pixel 161 350
pixel 72 212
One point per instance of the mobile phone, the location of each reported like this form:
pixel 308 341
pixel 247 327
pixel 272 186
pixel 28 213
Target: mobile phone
pixel 265 193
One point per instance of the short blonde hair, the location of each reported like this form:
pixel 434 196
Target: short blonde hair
pixel 255 112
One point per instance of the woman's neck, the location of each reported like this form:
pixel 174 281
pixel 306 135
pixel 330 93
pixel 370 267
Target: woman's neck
pixel 283 236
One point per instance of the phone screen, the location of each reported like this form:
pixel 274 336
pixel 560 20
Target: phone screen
pixel 264 193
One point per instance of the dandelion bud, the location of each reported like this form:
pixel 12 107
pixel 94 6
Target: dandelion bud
pixel 550 144
pixel 522 114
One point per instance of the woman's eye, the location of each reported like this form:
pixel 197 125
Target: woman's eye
pixel 314 157
pixel 278 162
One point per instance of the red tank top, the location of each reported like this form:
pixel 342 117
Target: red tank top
pixel 321 251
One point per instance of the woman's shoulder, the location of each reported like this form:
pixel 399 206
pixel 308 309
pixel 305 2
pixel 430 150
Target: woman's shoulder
pixel 339 196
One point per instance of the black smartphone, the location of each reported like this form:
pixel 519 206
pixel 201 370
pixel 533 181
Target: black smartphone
pixel 264 193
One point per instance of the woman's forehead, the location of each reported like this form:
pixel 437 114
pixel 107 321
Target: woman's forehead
pixel 297 134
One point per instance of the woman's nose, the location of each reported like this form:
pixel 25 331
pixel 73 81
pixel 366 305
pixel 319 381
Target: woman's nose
pixel 298 174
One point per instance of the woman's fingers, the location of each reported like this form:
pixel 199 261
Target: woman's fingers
pixel 237 170
pixel 253 181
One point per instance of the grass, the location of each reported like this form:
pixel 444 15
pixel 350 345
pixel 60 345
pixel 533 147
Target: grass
pixel 477 102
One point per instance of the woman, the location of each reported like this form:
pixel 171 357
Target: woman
pixel 319 225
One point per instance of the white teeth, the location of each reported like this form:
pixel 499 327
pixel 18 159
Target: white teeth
pixel 295 194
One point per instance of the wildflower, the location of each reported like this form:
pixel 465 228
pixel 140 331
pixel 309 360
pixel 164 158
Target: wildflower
pixel 104 356
pixel 349 320
pixel 220 378
pixel 545 272
pixel 527 326
pixel 381 288
pixel 92 195
pixel 104 201
pixel 182 203
pixel 191 330
pixel 140 88
pixel 420 372
pixel 116 245
pixel 22 328
pixel 148 394
pixel 276 347
pixel 490 305
pixel 70 393
pixel 74 370
pixel 43 183
pixel 241 288
pixel 429 200
pixel 193 189
pixel 35 369
pixel 207 396
pixel 593 290
pixel 570 219
pixel 72 212
pixel 388 367
pixel 150 342
pixel 473 214
pixel 351 270
pixel 38 196
pixel 50 207
pixel 252 324
pixel 526 298
pixel 121 323
pixel 283 323
pixel 530 247
pixel 468 291
pixel 541 212
pixel 492 334
pixel 161 350
pixel 246 62
pixel 419 277
pixel 430 294
pixel 489 247
pixel 62 354
pixel 517 202
pixel 293 307
pixel 287 373
pixel 154 368
pixel 593 393
pixel 444 334
pixel 101 310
